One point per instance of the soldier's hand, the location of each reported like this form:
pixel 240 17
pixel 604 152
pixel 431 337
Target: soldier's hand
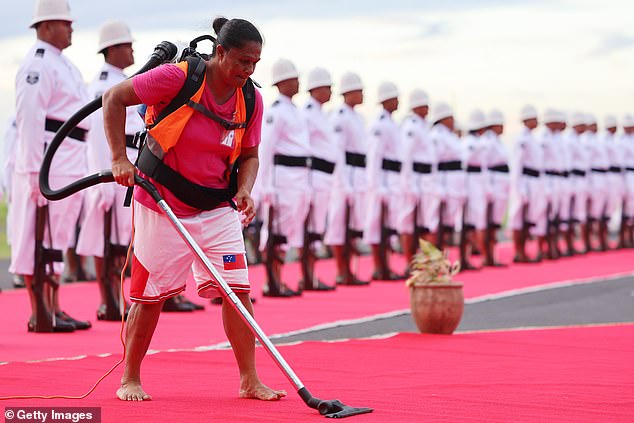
pixel 123 171
pixel 35 193
pixel 246 206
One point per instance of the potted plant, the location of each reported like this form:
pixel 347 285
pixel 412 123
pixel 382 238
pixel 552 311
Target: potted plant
pixel 437 302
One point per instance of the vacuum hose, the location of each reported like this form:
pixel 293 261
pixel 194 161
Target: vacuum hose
pixel 163 52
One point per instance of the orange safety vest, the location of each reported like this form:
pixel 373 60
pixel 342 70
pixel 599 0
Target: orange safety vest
pixel 168 131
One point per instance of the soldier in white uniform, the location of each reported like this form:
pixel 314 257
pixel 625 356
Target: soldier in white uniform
pixel 49 89
pixel 627 145
pixel 476 149
pixel 599 184
pixel 527 208
pixel 115 42
pixel 451 175
pixel 499 182
pixel 579 175
pixel 347 205
pixel 325 158
pixel 419 178
pixel 616 178
pixel 551 147
pixel 285 178
pixel 384 168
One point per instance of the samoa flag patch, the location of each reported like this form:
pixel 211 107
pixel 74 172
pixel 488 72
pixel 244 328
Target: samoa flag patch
pixel 234 261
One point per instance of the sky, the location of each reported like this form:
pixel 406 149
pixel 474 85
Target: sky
pixel 574 55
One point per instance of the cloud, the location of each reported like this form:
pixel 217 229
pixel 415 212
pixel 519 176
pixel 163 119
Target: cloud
pixel 613 43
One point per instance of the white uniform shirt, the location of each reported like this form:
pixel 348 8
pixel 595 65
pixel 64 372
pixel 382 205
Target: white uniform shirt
pixel 8 155
pixel 579 161
pixel 99 155
pixel 449 149
pixel 418 151
pixel 49 86
pixel 322 144
pixel 527 153
pixel 384 145
pixel 284 132
pixel 351 138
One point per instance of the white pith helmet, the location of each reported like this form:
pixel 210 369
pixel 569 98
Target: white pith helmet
pixel 350 82
pixel 51 10
pixel 440 111
pixel 112 33
pixel 318 77
pixel 387 90
pixel 418 98
pixel 283 69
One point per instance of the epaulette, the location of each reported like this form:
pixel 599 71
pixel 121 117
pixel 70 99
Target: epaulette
pixel 103 76
pixel 39 52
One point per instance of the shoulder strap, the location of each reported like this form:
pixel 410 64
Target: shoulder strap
pixel 248 90
pixel 195 77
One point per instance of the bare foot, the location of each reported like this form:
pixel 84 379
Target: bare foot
pixel 132 391
pixel 261 392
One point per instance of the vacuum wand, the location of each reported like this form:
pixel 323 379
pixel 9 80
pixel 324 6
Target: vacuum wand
pixel 328 408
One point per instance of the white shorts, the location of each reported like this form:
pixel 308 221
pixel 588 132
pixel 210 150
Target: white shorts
pixel 372 229
pixel 162 260
pixel 291 209
pixel 91 235
pixel 319 210
pixel 336 219
pixel 63 215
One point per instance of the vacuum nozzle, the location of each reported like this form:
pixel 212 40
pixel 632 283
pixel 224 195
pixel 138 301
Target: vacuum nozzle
pixel 333 409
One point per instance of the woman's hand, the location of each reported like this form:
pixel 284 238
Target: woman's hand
pixel 246 206
pixel 123 171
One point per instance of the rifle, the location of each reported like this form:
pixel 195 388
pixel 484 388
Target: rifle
pixel 307 253
pixel 274 286
pixel 44 320
pixel 383 243
pixel 111 254
pixel 463 235
pixel 441 225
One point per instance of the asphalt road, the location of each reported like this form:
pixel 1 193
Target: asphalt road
pixel 601 302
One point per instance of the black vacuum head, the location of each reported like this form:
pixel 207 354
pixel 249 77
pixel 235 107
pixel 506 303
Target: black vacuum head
pixel 335 409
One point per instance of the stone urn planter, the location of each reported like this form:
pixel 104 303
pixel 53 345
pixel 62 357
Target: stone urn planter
pixel 437 302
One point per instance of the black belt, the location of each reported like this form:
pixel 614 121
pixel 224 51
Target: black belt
pixel 529 171
pixel 322 165
pixel 129 142
pixel 565 173
pixel 474 169
pixel 453 165
pixel 291 161
pixel 554 173
pixel 190 193
pixel 578 172
pixel 630 169
pixel 503 168
pixel 355 159
pixel 421 167
pixel 53 125
pixel 391 165
pixel 598 170
pixel 615 169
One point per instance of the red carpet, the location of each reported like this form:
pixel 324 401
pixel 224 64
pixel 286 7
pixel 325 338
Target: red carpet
pixel 190 330
pixel 560 375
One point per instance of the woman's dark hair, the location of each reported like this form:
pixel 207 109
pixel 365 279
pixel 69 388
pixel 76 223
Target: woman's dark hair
pixel 235 33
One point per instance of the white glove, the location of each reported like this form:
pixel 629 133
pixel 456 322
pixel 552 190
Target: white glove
pixel 106 196
pixel 34 190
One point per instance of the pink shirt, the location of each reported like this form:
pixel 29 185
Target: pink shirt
pixel 198 155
